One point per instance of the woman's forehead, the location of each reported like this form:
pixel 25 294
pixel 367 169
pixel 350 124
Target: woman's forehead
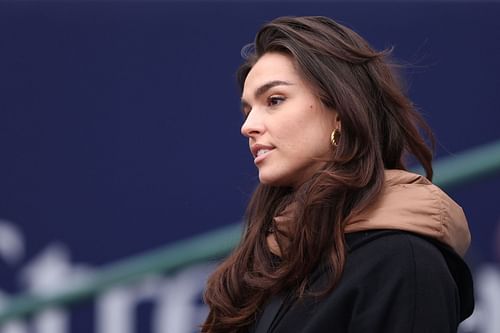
pixel 271 67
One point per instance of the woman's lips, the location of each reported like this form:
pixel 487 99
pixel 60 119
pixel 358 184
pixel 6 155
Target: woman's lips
pixel 255 148
pixel 262 154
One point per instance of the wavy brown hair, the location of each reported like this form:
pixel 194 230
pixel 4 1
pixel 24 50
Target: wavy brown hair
pixel 380 126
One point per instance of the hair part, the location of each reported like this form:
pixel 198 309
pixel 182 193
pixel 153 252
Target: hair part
pixel 380 126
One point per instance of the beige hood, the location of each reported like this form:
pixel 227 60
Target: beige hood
pixel 412 203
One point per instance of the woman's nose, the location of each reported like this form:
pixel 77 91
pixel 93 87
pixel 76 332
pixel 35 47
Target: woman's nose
pixel 253 125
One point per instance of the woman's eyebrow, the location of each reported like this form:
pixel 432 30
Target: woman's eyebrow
pixel 265 87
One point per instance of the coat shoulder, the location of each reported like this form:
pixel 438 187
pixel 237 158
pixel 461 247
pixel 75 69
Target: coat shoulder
pixel 393 281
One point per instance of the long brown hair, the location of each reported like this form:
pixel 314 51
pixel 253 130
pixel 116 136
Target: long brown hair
pixel 379 127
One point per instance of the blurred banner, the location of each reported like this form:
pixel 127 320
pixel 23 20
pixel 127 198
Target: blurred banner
pixel 119 133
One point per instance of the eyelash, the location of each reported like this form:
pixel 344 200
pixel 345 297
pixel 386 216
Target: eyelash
pixel 270 101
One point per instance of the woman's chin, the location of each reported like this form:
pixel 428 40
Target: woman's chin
pixel 267 179
pixel 273 180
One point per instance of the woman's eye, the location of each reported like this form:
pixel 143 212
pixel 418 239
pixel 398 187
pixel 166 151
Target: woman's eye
pixel 275 100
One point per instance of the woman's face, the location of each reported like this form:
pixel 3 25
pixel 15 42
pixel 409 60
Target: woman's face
pixel 287 126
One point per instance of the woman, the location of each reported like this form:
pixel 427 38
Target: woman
pixel 339 236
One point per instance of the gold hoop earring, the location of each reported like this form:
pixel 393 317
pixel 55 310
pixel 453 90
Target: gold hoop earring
pixel 334 137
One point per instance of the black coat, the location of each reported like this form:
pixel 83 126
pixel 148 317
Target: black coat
pixel 393 282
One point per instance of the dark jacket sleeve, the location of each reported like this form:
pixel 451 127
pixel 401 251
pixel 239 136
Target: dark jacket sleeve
pixel 405 286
